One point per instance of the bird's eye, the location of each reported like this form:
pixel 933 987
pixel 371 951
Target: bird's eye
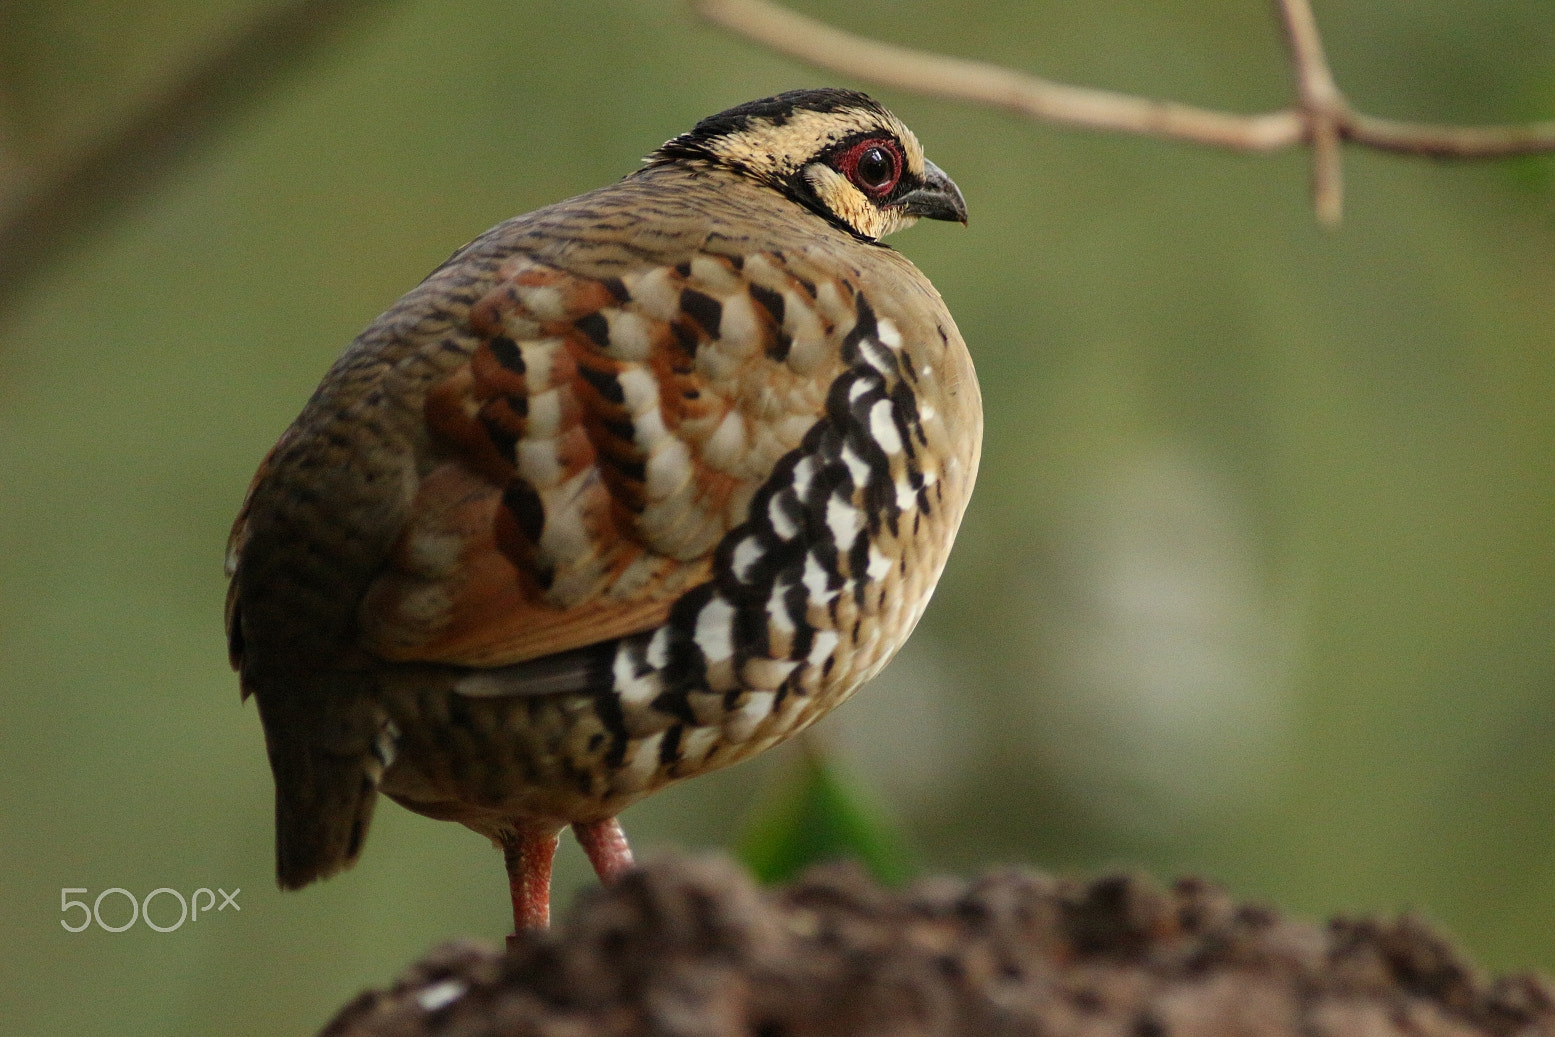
pixel 874 166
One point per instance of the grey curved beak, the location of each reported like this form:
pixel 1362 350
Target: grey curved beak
pixel 938 199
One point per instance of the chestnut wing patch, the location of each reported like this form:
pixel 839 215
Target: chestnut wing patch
pixel 604 436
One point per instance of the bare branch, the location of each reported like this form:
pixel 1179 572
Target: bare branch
pixel 38 220
pixel 1414 138
pixel 982 83
pixel 1314 81
pixel 1322 103
pixel 1321 116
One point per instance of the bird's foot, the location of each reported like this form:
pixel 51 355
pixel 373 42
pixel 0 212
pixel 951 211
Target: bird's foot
pixel 528 855
pixel 605 844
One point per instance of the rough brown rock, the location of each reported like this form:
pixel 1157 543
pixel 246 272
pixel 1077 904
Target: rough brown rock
pixel 690 947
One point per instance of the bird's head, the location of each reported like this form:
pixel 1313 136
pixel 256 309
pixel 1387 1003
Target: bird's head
pixel 836 152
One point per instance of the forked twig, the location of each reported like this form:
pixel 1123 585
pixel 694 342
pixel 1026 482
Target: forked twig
pixel 1320 115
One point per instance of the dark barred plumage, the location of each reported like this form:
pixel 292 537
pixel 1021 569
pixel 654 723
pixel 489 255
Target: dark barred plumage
pixel 632 487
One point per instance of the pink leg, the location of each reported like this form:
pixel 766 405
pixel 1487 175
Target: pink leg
pixel 605 844
pixel 528 856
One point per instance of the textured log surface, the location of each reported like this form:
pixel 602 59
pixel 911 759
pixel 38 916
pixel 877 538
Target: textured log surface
pixel 691 947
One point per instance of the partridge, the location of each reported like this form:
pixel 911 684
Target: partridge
pixel 632 487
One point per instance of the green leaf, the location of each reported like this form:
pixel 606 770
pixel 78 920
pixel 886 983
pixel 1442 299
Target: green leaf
pixel 815 813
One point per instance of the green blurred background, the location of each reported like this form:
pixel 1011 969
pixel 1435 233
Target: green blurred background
pixel 1259 581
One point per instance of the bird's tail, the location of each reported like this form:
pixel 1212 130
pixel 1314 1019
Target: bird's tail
pixel 326 785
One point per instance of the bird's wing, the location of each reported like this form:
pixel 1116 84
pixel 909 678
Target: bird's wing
pixel 237 540
pixel 603 438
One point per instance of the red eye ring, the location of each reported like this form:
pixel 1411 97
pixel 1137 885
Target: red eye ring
pixel 873 165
